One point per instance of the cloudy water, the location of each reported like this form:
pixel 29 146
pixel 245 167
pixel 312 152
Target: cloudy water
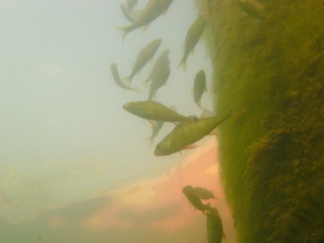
pixel 75 164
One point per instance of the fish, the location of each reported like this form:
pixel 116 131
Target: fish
pixel 199 87
pixel 193 34
pixel 296 227
pixel 159 61
pixel 159 78
pixel 128 15
pixel 130 4
pixel 184 135
pixel 194 199
pixel 144 56
pixel 117 79
pixel 253 8
pixel 153 110
pixel 215 232
pixel 153 10
pixel 156 127
pixel 204 193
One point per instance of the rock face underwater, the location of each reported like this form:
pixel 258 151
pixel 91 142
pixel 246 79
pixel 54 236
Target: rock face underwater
pixel 267 60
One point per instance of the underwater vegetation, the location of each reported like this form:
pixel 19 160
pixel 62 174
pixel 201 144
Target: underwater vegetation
pixel 268 60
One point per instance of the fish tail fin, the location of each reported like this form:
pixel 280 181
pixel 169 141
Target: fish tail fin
pixel 182 65
pixel 199 105
pixel 123 30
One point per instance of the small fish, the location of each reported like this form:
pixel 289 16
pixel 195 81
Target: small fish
pixel 215 232
pixel 159 61
pixel 199 87
pixel 144 56
pixel 130 4
pixel 253 8
pixel 194 199
pixel 128 15
pixel 159 78
pixel 117 79
pixel 153 110
pixel 204 193
pixel 296 227
pixel 153 10
pixel 184 135
pixel 192 38
pixel 155 130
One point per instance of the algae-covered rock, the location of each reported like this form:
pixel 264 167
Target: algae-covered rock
pixel 272 68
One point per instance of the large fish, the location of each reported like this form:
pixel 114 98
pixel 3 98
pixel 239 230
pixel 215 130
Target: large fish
pixel 199 87
pixel 215 232
pixel 194 199
pixel 159 61
pixel 144 56
pixel 192 38
pixel 296 227
pixel 117 79
pixel 153 110
pixel 153 10
pixel 185 134
pixel 159 78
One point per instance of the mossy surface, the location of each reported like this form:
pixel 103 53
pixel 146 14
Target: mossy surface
pixel 272 72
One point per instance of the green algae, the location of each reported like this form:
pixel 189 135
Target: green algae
pixel 273 70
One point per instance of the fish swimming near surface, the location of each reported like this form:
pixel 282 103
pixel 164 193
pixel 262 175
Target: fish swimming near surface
pixel 204 193
pixel 194 199
pixel 117 79
pixel 296 227
pixel 199 87
pixel 215 232
pixel 158 63
pixel 253 8
pixel 159 78
pixel 144 56
pixel 153 9
pixel 153 110
pixel 184 135
pixel 128 15
pixel 192 38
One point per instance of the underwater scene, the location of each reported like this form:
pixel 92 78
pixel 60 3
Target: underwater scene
pixel 179 121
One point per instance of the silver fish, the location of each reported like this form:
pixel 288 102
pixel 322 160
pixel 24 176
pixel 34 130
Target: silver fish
pixel 158 63
pixel 159 78
pixel 153 110
pixel 153 10
pixel 199 87
pixel 155 130
pixel 144 56
pixel 184 135
pixel 192 38
pixel 117 79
